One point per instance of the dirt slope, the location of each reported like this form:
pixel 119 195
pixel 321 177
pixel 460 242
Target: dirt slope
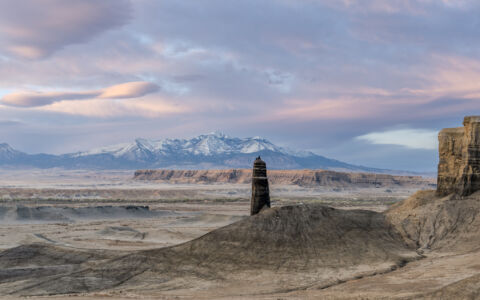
pixel 27 264
pixel 292 247
pixel 463 289
pixel 291 251
pixel 432 223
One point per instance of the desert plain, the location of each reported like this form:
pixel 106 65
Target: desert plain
pixel 72 207
pixel 105 235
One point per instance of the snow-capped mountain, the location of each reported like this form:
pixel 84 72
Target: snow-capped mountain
pixel 7 152
pixel 214 150
pixel 212 144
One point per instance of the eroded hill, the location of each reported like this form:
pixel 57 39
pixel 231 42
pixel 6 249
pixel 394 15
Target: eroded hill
pixel 293 247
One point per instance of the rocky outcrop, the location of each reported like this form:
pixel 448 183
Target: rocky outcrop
pixel 307 178
pixel 260 190
pixel 450 152
pixel 459 165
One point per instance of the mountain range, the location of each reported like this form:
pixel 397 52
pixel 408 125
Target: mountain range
pixel 208 151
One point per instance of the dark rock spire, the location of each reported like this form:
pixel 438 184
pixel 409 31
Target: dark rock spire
pixel 260 190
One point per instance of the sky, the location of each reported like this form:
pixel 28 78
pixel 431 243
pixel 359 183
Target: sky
pixel 366 82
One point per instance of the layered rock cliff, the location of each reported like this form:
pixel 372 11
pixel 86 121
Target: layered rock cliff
pixel 309 178
pixel 459 165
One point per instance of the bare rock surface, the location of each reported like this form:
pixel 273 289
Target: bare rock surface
pixel 434 223
pixel 22 214
pixel 44 255
pixel 29 263
pixel 446 231
pixel 308 178
pixel 306 245
pixel 260 189
pixel 459 166
pixel 468 288
pixel 290 252
pixel 122 232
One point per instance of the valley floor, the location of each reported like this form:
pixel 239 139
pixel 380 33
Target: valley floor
pixel 103 216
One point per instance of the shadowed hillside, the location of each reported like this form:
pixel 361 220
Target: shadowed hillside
pixel 302 245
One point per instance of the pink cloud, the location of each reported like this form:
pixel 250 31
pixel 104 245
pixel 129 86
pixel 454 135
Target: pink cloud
pixel 32 31
pixel 340 108
pixel 149 108
pixel 129 90
pixel 452 76
pixel 33 99
pixel 121 91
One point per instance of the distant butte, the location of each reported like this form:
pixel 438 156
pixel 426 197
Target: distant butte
pixel 305 178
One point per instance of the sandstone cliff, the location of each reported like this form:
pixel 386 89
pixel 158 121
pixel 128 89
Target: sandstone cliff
pixel 459 165
pixel 309 178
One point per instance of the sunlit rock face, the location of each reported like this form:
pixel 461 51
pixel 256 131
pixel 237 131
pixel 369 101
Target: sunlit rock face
pixel 450 151
pixel 459 165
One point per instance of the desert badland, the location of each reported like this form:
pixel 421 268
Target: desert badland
pixel 239 149
pixel 189 234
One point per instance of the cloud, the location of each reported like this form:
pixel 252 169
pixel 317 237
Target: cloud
pixel 327 109
pixel 450 76
pixel 129 90
pixel 10 122
pixel 32 99
pixel 120 91
pixel 312 73
pixel 410 138
pixel 35 30
pixel 149 108
pixel 397 6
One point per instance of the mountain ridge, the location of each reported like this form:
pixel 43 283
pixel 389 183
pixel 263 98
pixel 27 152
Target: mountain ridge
pixel 207 151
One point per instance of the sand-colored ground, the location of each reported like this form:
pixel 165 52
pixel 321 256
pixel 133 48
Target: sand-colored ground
pixel 64 245
pixel 189 210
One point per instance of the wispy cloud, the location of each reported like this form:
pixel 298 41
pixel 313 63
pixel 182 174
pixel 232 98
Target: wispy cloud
pixel 32 99
pixel 120 91
pixel 149 108
pixel 313 73
pixel 10 122
pixel 128 90
pixel 410 138
pixel 36 30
